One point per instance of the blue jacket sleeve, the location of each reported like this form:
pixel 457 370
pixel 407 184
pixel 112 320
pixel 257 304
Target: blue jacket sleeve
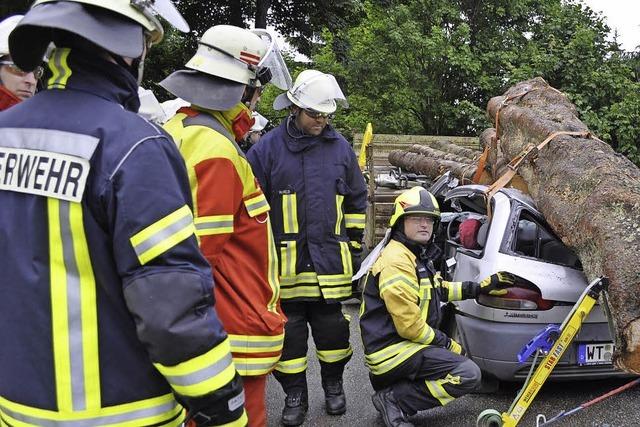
pixel 167 283
pixel 355 204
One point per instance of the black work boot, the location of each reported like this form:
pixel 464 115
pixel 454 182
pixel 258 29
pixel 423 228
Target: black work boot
pixel 295 409
pixel 386 403
pixel 335 401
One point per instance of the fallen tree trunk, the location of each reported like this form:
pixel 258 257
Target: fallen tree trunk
pixel 431 167
pixel 450 147
pixel 589 195
pixel 438 154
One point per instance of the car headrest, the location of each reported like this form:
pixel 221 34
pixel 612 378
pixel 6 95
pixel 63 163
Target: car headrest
pixel 468 233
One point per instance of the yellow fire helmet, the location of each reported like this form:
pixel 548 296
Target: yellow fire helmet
pixel 416 200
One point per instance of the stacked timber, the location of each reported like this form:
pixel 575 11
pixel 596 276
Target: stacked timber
pixel 381 198
pixel 439 157
pixel 589 194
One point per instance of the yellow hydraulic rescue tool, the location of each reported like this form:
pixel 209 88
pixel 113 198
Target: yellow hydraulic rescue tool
pixel 552 341
pixel 366 140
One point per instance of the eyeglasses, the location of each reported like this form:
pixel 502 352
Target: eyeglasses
pixel 16 71
pixel 420 219
pixel 317 114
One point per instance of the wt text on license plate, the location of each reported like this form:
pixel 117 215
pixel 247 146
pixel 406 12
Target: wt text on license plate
pixel 595 353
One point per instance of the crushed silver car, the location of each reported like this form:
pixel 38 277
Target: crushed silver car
pixel 517 239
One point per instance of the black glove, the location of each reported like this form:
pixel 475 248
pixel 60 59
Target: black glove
pixel 496 283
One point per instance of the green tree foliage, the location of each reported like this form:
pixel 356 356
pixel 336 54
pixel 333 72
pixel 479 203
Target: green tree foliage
pixel 430 66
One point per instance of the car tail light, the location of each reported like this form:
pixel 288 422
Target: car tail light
pixel 517 299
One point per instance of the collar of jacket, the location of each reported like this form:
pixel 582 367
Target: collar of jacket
pixel 229 118
pixel 426 253
pixel 7 98
pixel 297 141
pixel 88 72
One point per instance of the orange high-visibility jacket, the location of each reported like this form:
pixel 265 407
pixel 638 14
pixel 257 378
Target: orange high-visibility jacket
pixel 231 215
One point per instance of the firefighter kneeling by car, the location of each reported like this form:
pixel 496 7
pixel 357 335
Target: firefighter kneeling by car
pixel 413 365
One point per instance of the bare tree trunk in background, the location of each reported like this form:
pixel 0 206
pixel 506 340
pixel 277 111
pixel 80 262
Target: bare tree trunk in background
pixel 589 194
pixel 262 8
pixel 235 14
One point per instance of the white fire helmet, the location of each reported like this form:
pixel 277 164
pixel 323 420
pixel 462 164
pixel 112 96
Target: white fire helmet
pixel 6 26
pixel 250 57
pixel 313 90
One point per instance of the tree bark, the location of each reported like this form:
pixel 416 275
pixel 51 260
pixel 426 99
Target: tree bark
pixel 589 195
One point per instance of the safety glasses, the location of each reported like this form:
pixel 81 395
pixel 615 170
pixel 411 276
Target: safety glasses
pixel 16 71
pixel 317 114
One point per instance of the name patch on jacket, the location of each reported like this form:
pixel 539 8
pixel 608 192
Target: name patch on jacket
pixel 45 162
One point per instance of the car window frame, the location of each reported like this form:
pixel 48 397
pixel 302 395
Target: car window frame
pixel 508 243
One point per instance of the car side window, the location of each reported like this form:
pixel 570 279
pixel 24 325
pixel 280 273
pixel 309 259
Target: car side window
pixel 536 241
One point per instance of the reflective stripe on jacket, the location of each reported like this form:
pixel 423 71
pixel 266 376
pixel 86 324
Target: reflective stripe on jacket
pixel 96 236
pixel 232 224
pixel 318 199
pixel 400 308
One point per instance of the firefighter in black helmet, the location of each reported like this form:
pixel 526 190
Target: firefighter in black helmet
pixel 413 365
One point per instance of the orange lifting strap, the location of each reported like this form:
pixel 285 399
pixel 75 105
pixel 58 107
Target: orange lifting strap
pixel 529 152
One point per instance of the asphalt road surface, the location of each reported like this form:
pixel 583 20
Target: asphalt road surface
pixel 622 410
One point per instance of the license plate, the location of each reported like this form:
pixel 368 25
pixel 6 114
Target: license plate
pixel 595 354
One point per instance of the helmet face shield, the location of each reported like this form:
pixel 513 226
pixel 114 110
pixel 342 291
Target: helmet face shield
pixel 168 11
pixel 274 61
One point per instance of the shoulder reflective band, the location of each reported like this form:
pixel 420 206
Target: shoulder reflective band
pixel 256 205
pixel 400 279
pixel 164 234
pixel 45 162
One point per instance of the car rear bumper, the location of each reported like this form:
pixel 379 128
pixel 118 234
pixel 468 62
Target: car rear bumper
pixel 494 347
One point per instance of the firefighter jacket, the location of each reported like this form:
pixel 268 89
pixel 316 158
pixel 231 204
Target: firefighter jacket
pixel 105 298
pixel 400 308
pixel 318 199
pixel 232 225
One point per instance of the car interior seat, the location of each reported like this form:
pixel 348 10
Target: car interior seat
pixel 469 231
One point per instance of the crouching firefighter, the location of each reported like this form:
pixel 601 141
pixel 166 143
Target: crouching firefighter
pixel 106 307
pixel 413 365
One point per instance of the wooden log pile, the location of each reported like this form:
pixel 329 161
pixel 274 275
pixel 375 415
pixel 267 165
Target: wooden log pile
pixel 437 158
